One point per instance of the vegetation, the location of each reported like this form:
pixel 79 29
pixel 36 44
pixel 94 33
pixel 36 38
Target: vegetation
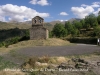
pixel 78 30
pixel 97 31
pixel 54 63
pixel 85 40
pixel 6 64
pixel 59 30
pixel 48 42
pixel 13 36
pixel 87 27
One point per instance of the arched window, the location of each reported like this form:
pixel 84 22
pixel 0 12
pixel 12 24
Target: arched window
pixel 35 21
pixel 40 21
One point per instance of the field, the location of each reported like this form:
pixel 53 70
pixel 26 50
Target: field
pixel 67 65
pixel 53 54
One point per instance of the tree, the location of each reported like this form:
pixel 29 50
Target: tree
pixel 68 27
pixel 97 31
pixel 72 29
pixel 83 23
pixel 77 24
pixel 98 19
pixel 91 21
pixel 59 30
pixel 98 13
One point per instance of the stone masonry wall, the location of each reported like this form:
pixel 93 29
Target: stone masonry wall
pixel 38 31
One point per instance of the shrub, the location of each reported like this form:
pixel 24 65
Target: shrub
pixel 83 40
pixel 12 36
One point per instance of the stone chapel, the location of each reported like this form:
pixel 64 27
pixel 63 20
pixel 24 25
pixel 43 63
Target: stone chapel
pixel 38 31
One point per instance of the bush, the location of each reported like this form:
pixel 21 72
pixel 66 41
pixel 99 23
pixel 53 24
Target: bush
pixel 59 30
pixel 83 40
pixel 11 41
pixel 13 36
pixel 1 44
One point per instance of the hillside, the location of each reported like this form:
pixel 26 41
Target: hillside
pixel 54 22
pixel 48 42
pixel 9 25
pixel 21 25
pixel 27 24
pixel 73 19
pixel 33 43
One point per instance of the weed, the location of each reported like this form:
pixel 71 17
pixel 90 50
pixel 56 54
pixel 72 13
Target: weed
pixel 44 59
pixel 5 64
pixel 97 53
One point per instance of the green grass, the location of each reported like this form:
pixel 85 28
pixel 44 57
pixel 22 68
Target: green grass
pixel 6 64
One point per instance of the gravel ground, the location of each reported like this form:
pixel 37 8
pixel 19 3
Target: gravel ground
pixel 59 50
pixel 19 56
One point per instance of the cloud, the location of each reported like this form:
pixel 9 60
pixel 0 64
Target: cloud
pixel 85 10
pixel 63 20
pixel 39 2
pixel 2 18
pixel 63 14
pixel 96 12
pixel 84 5
pixel 95 4
pixel 19 13
pixel 81 12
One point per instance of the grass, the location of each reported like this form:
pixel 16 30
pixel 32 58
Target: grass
pixel 11 73
pixel 33 43
pixel 6 64
pixel 48 60
pixel 58 60
pixel 47 42
pixel 45 59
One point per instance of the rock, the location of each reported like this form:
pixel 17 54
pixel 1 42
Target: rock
pixel 25 66
pixel 61 59
pixel 81 60
pixel 70 66
pixel 52 66
pixel 38 64
pixel 44 64
pixel 74 59
pixel 98 63
pixel 93 64
pixel 81 65
pixel 63 66
pixel 41 64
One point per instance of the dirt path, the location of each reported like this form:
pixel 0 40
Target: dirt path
pixel 59 50
pixel 18 56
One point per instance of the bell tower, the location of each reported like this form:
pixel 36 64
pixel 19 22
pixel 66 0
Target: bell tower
pixel 37 21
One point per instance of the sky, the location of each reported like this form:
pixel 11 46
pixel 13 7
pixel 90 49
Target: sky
pixel 50 10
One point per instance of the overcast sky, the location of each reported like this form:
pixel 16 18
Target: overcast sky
pixel 50 10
